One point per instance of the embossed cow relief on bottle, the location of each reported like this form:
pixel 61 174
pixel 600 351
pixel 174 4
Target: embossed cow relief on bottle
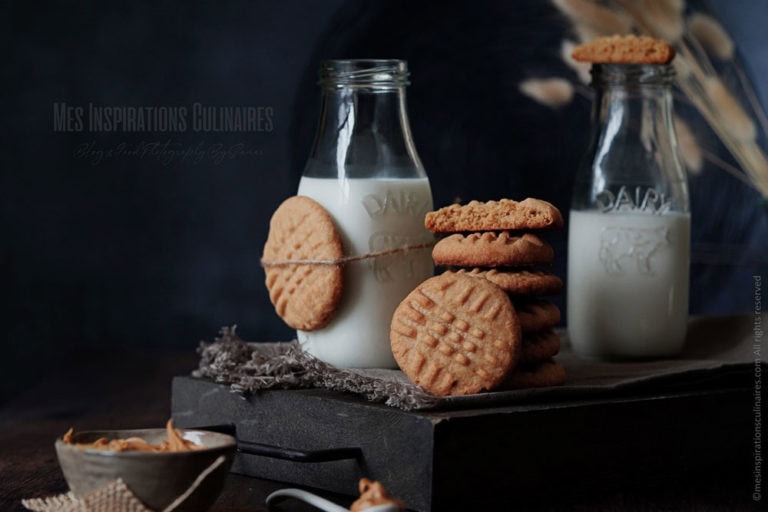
pixel 626 250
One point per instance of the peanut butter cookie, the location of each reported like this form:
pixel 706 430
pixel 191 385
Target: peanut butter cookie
pixel 305 294
pixel 501 215
pixel 490 249
pixel 544 374
pixel 537 315
pixel 456 335
pixel 539 346
pixel 518 282
pixel 629 49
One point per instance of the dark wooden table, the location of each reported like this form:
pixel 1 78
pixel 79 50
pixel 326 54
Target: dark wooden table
pixel 132 389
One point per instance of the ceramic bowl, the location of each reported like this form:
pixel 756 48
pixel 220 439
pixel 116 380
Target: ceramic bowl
pixel 157 479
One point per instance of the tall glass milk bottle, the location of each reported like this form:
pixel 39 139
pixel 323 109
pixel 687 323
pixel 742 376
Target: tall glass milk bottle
pixel 364 169
pixel 629 238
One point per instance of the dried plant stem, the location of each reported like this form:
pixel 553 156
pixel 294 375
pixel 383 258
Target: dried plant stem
pixel 580 68
pixel 680 97
pixel 736 117
pixel 633 9
pixel 722 164
pixel 756 166
pixel 739 123
pixel 734 146
pixel 694 51
pixel 552 92
pixel 751 95
pixel 690 149
pixel 707 31
pixel 666 19
pixel 584 91
pixel 729 126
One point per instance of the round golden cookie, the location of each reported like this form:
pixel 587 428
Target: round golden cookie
pixel 541 375
pixel 539 346
pixel 625 49
pixel 501 215
pixel 519 282
pixel 537 315
pixel 490 249
pixel 456 335
pixel 305 295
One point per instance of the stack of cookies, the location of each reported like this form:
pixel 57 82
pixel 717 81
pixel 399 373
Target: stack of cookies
pixel 483 324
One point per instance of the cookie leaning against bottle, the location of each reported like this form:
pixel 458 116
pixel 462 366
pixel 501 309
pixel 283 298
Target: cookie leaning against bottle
pixel 306 295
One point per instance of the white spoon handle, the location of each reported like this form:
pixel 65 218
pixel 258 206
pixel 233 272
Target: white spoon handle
pixel 307 497
pixel 318 502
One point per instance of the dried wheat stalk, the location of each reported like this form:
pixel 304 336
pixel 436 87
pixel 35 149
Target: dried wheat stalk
pixel 698 38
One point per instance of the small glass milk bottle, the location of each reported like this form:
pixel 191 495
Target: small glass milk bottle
pixel 364 169
pixel 629 227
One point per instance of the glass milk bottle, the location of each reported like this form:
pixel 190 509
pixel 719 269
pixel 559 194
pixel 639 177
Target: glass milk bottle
pixel 629 227
pixel 364 169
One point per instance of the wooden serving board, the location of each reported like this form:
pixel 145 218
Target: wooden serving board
pixel 475 458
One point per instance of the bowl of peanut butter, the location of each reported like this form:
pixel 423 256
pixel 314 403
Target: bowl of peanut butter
pixel 163 468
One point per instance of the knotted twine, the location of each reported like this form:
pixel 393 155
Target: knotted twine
pixel 346 259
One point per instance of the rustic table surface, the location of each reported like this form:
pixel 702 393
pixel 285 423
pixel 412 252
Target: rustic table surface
pixel 132 390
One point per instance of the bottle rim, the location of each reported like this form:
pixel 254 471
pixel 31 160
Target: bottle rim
pixel 632 74
pixel 376 73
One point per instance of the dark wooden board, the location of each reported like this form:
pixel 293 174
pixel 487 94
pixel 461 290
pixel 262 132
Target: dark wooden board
pixel 439 460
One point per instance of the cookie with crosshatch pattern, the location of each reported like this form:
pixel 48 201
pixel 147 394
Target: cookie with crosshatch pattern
pixel 456 335
pixel 305 295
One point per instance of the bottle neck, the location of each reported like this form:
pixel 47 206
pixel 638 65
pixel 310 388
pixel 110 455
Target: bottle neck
pixel 363 130
pixel 632 102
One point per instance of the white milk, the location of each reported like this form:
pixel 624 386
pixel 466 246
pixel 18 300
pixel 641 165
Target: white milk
pixel 372 215
pixel 628 283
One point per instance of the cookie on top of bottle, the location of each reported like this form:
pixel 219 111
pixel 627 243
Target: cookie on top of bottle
pixel 625 49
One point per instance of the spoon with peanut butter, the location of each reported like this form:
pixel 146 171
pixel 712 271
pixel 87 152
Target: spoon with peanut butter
pixel 373 498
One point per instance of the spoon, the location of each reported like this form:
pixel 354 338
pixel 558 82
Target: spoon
pixel 318 502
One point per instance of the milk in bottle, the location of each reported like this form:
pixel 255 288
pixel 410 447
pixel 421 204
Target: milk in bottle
pixel 373 215
pixel 364 170
pixel 629 225
pixel 628 283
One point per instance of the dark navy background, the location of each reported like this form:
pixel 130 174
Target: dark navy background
pixel 141 252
